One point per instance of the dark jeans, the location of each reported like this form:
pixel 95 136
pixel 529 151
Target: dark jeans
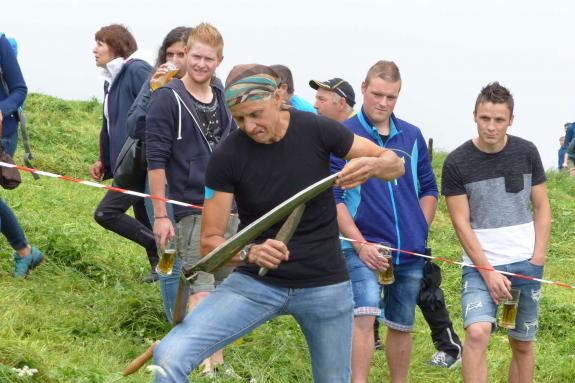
pixel 432 304
pixel 9 224
pixel 111 214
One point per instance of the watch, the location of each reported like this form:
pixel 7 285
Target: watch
pixel 245 254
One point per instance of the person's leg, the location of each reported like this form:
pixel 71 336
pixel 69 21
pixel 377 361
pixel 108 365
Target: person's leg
pixel 169 289
pixel 479 318
pixel 239 305
pixel 12 230
pixel 400 299
pixel 325 315
pixel 431 301
pixel 366 297
pixel 526 323
pixel 188 244
pixel 26 257
pixel 141 216
pixel 522 361
pixel 111 214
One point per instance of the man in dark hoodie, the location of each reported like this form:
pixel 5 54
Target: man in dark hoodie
pixel 186 120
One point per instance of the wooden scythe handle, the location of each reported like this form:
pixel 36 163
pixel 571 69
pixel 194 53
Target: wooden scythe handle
pixel 137 363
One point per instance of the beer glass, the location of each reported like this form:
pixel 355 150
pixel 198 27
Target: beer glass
pixel 172 70
pixel 167 257
pixel 510 309
pixel 386 277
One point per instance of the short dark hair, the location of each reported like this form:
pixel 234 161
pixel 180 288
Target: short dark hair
pixel 118 38
pixel 496 94
pixel 285 76
pixel 178 34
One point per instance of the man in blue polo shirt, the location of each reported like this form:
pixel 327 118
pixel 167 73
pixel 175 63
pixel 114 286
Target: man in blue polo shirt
pixel 398 213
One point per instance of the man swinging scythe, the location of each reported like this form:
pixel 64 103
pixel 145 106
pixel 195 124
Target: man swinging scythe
pixel 277 153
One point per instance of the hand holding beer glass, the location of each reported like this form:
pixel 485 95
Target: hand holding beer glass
pixel 167 255
pixel 510 309
pixel 386 277
pixel 163 75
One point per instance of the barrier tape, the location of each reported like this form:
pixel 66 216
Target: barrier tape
pixel 561 284
pixel 97 185
pixel 175 202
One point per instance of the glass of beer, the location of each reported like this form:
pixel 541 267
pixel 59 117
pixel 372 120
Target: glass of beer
pixel 386 277
pixel 167 257
pixel 510 309
pixel 172 70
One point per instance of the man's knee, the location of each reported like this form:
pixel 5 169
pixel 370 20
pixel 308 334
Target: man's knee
pixel 101 217
pixel 477 334
pixel 363 324
pixel 520 347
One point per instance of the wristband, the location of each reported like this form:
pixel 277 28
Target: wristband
pixel 360 247
pixel 161 216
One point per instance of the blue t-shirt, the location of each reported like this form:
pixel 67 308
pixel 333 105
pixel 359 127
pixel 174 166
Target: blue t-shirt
pixel 301 104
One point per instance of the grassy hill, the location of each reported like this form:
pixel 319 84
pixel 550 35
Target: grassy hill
pixel 85 313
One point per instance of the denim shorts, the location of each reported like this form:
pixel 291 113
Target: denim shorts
pixel 188 243
pixel 400 298
pixel 366 289
pixel 477 305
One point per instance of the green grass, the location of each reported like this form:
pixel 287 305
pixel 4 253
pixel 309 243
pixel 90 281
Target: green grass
pixel 84 314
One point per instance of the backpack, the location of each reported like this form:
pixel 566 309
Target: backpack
pixel 21 118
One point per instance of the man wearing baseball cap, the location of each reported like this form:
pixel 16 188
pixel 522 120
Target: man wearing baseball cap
pixel 335 98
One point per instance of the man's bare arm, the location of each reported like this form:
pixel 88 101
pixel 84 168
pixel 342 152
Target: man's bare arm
pixel 367 160
pixel 268 254
pixel 542 222
pixel 163 227
pixel 497 284
pixel 428 206
pixel 367 253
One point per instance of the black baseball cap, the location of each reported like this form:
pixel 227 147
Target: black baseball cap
pixel 338 86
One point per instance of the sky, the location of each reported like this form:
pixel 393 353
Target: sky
pixel 447 50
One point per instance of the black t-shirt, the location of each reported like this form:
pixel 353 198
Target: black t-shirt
pixel 261 176
pixel 210 120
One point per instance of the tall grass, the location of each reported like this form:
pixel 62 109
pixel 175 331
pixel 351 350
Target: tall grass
pixel 84 314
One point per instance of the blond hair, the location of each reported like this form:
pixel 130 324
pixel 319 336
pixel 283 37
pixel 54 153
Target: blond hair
pixel 207 34
pixel 385 70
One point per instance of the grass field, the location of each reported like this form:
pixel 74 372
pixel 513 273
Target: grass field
pixel 85 313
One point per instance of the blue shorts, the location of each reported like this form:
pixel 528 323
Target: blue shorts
pixel 400 298
pixel 366 289
pixel 477 305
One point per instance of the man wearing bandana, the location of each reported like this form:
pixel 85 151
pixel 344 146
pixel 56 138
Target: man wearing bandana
pixel 275 154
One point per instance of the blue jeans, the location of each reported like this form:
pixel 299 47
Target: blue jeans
pixel 169 289
pixel 9 224
pixel 242 303
pixel 477 305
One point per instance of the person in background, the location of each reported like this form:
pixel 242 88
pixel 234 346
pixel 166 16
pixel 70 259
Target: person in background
pixel 494 188
pixel 287 90
pixel 334 98
pixel 26 257
pixel 186 121
pixel 561 153
pixel 398 213
pixel 569 157
pixel 173 50
pixel 124 75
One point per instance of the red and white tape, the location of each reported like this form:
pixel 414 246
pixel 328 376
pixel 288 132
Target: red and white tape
pixel 97 185
pixel 175 202
pixel 463 264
